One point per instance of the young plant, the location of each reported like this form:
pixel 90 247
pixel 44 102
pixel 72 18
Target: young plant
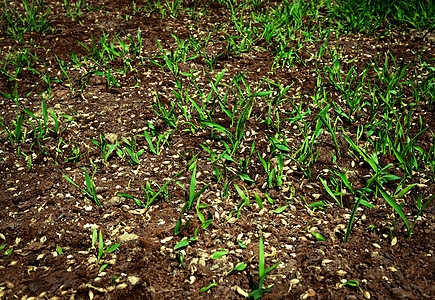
pixel 90 185
pixel 159 138
pixel 105 148
pixel 236 138
pixel 192 194
pixel 258 292
pixel 150 194
pixel 131 150
pixel 168 116
pixel 420 209
pixel 102 250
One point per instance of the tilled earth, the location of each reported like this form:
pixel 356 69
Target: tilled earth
pixel 42 212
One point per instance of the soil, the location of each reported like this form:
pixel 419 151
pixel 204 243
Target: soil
pixel 46 223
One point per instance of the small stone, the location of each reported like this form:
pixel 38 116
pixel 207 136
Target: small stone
pixel 232 220
pixel 133 279
pixel 367 294
pixel 166 239
pixel 240 291
pixel 111 137
pixel 101 189
pixel 201 262
pixel 214 267
pixel 115 200
pixel 309 293
pixel 127 237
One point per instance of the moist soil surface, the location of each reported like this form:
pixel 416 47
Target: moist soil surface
pixel 47 223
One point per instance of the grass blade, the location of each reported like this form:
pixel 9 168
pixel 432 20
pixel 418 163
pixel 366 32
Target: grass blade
pixel 394 205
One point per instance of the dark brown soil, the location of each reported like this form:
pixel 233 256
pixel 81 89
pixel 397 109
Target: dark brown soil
pixel 42 212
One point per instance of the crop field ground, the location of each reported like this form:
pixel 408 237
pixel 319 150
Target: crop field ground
pixel 217 149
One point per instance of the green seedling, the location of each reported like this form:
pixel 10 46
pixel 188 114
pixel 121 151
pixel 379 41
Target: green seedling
pixel 245 197
pixel 76 12
pixel 279 210
pixel 218 254
pixel 159 138
pixel 33 19
pixel 332 194
pixel 205 289
pixel 205 222
pixel 420 209
pixel 59 250
pixel 178 228
pixel 236 138
pixel 131 147
pixel 168 116
pixel 258 292
pixel 192 194
pixel 258 200
pixel 14 134
pixel 316 235
pixel 186 242
pixel 90 185
pixel 353 283
pixel 323 205
pixel 242 246
pixel 102 249
pixel 63 68
pixel 74 154
pixel 240 267
pixel 105 148
pixel 360 194
pixel 275 174
pixel 150 194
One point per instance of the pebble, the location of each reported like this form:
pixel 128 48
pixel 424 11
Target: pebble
pixel 166 239
pixel 367 294
pixel 240 291
pixel 121 286
pixel 309 293
pixel 127 237
pixel 133 279
pixel 101 189
pixel 326 261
